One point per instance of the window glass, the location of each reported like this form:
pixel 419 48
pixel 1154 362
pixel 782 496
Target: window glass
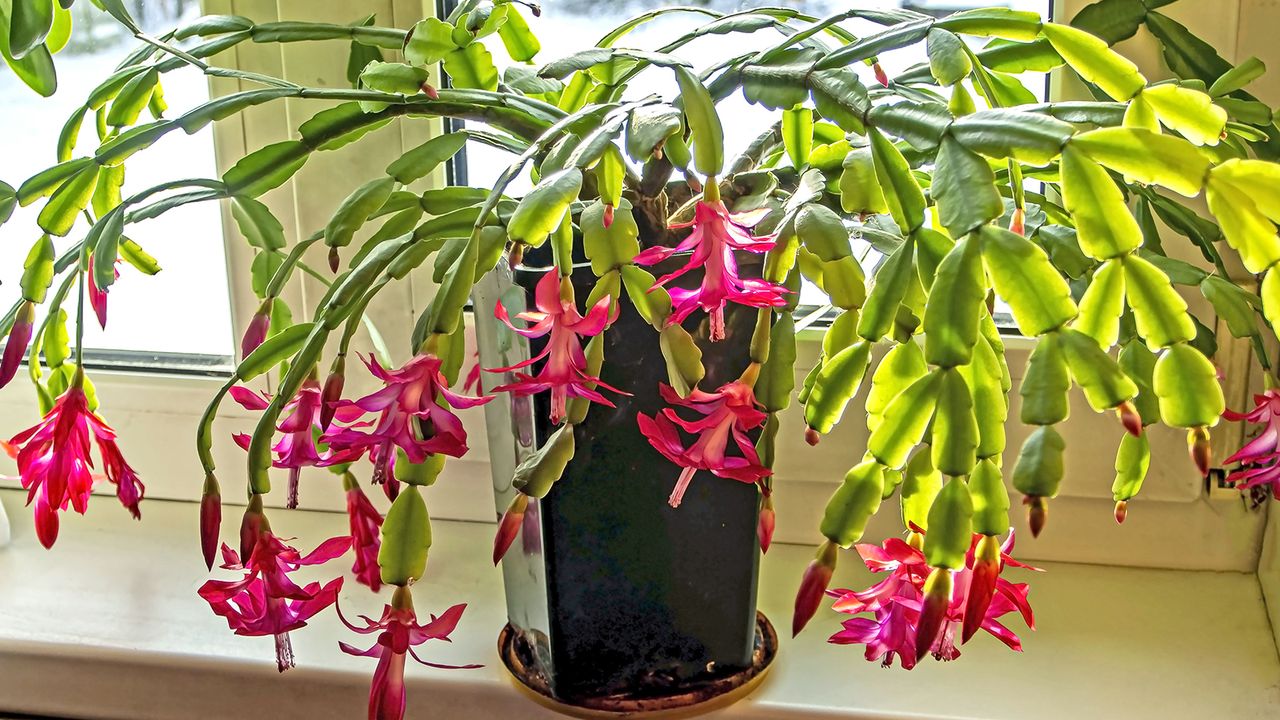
pixel 569 25
pixel 183 310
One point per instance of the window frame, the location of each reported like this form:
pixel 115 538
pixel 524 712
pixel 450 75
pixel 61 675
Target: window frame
pixel 156 412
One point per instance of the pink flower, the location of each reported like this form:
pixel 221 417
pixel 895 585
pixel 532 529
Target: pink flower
pixel 55 466
pixel 415 414
pixel 731 410
pixel 266 601
pixel 398 632
pixel 897 603
pixel 300 424
pixel 565 370
pixel 716 234
pixel 1260 456
pixel 366 523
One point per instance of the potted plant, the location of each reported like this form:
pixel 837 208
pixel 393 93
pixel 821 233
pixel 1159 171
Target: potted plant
pixel 634 317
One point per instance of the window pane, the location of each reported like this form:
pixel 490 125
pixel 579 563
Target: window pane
pixel 184 309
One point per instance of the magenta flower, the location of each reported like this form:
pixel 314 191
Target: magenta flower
pixel 366 523
pixel 716 235
pixel 415 414
pixel 55 466
pixel 398 633
pixel 730 411
pixel 266 601
pixel 300 425
pixel 1260 457
pixel 896 604
pixel 565 372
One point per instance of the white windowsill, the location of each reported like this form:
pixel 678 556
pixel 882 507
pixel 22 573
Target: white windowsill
pixel 108 625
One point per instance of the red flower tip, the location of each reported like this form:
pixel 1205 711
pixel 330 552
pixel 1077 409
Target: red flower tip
pixel 509 527
pixel 430 91
pixel 1130 418
pixel 1037 513
pixel 933 609
pixel 765 525
pixel 812 436
pixel 334 259
pixel 515 255
pixel 16 346
pixel 881 77
pixel 1018 223
pixel 256 333
pixel 608 214
pixel 1122 511
pixel 813 586
pixel 210 519
pixel 1201 452
pixel 982 586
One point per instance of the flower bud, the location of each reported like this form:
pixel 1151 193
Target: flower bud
pixel 1130 417
pixel 811 436
pixel 1122 511
pixel 16 346
pixel 1018 223
pixel 765 525
pixel 256 333
pixel 509 526
pixel 982 587
pixel 210 518
pixel 608 215
pixel 430 91
pixel 881 77
pixel 334 259
pixel 933 609
pixel 1037 512
pixel 332 391
pixel 1201 452
pixel 813 586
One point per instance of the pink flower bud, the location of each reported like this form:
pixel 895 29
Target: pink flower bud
pixel 509 527
pixel 334 259
pixel 1122 511
pixel 1201 451
pixel 332 392
pixel 16 346
pixel 1037 513
pixel 256 333
pixel 1018 223
pixel 881 77
pixel 430 91
pixel 608 214
pixel 813 586
pixel 210 519
pixel 933 609
pixel 1130 418
pixel 812 436
pixel 982 586
pixel 765 525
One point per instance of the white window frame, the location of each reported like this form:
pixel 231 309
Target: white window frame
pixel 1176 522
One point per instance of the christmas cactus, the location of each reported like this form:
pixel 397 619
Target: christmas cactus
pixel 931 168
